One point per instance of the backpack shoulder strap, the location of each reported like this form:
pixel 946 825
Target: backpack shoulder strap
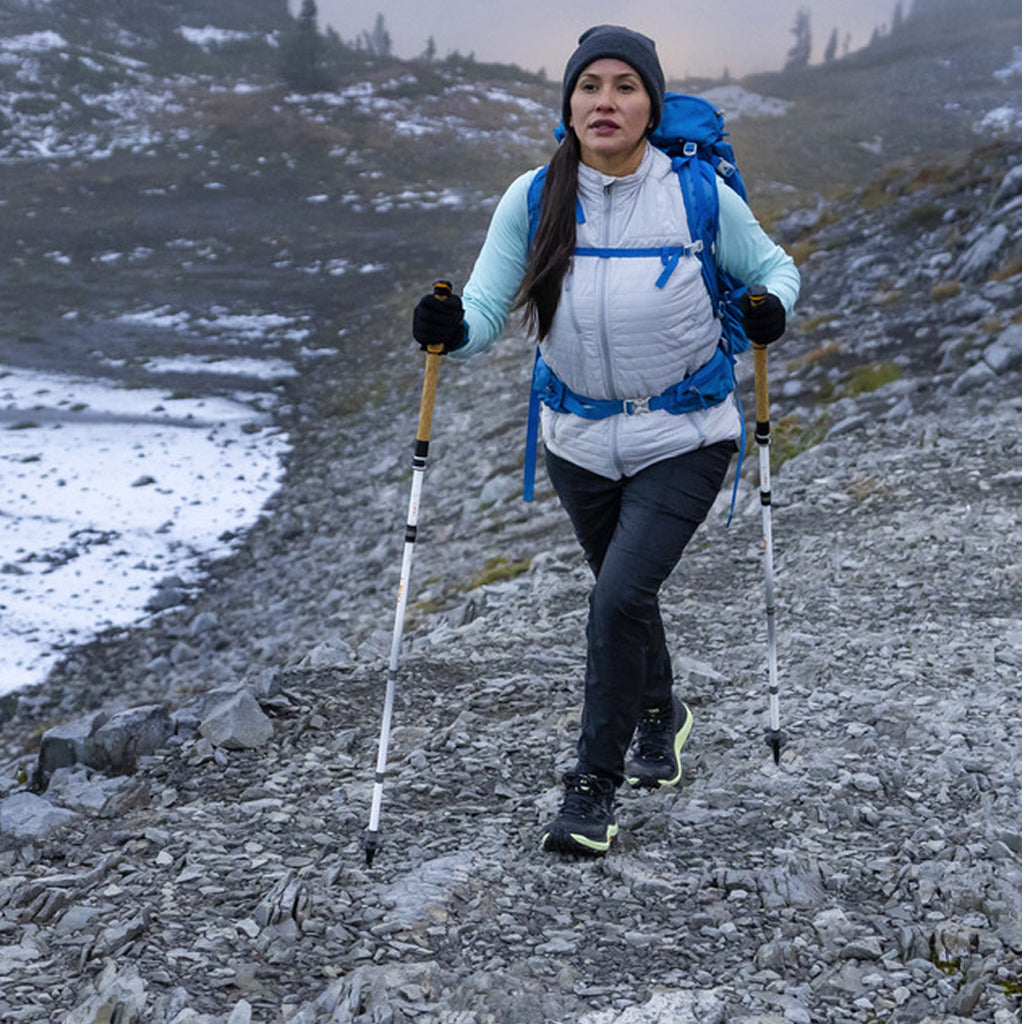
pixel 700 196
pixel 534 196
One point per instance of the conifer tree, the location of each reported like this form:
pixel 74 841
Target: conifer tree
pixel 302 53
pixel 832 46
pixel 799 55
pixel 378 42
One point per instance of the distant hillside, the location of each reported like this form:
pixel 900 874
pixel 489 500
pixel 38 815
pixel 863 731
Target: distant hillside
pixel 943 81
pixel 133 131
pixel 946 82
pixel 150 20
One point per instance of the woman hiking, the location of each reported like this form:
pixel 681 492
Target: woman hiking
pixel 636 482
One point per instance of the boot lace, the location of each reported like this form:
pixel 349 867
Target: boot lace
pixel 586 796
pixel 654 734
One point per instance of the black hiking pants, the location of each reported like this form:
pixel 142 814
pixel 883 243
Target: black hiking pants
pixel 633 532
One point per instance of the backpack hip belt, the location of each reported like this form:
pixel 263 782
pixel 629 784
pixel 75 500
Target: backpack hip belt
pixel 709 386
pixel 706 387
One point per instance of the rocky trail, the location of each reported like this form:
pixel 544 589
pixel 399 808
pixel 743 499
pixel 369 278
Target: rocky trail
pixel 196 854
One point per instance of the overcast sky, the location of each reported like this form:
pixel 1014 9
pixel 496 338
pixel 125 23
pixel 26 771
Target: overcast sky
pixel 694 37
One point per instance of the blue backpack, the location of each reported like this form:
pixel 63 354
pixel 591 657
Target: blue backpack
pixel 692 132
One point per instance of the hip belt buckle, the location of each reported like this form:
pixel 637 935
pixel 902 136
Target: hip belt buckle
pixel 635 406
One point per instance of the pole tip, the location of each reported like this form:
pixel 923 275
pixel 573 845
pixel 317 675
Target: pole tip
pixel 370 846
pixel 774 739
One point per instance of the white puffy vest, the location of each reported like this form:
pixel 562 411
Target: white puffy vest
pixel 617 335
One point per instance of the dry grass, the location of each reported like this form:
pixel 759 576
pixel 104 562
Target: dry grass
pixel 1011 268
pixel 946 290
pixel 821 354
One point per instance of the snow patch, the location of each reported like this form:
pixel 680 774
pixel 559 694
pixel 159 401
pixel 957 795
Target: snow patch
pixel 736 103
pixel 1000 122
pixel 209 36
pixel 1012 70
pixel 259 369
pixel 34 42
pixel 106 493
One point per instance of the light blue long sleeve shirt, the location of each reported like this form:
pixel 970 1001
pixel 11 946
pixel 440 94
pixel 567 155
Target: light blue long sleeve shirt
pixel 744 249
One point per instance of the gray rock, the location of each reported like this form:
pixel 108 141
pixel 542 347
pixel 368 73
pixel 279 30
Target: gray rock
pixel 500 489
pixel 974 377
pixel 160 666
pixel 237 724
pixel 330 653
pixel 241 1013
pixel 27 816
pixel 190 715
pixel 166 596
pixel 204 622
pixel 865 947
pixel 118 743
pixel 1005 351
pixel 793 224
pixel 834 929
pixel 67 744
pixel 1010 186
pixel 415 897
pixel 117 994
pixel 849 424
pixel 680 1007
pixel 182 652
pixel 983 253
pixel 83 791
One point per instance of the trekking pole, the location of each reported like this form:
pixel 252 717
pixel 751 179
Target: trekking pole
pixel 763 435
pixel 442 289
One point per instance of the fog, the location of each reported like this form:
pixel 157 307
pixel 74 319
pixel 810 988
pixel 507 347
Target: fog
pixel 694 37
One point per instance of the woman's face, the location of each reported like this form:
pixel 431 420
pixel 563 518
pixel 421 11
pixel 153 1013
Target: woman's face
pixel 610 113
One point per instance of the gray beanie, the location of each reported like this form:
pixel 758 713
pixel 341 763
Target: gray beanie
pixel 623 44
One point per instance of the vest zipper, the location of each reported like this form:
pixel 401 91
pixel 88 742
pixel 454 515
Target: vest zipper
pixel 603 337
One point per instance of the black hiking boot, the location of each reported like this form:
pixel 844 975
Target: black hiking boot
pixel 586 822
pixel 660 735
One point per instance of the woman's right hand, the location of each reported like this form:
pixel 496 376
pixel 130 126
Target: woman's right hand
pixel 438 321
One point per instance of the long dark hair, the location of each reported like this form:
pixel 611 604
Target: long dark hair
pixel 552 247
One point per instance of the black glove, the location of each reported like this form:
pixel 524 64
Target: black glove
pixel 438 321
pixel 763 321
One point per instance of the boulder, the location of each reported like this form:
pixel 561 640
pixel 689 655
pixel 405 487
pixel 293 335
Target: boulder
pixel 111 744
pixel 66 745
pixel 237 724
pixel 117 744
pixel 27 816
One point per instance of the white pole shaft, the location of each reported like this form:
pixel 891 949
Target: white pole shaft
pixel 396 645
pixel 763 437
pixel 442 289
pixel 764 462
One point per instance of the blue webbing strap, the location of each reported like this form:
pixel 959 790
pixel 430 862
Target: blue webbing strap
pixel 739 460
pixel 706 387
pixel 532 434
pixel 668 254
